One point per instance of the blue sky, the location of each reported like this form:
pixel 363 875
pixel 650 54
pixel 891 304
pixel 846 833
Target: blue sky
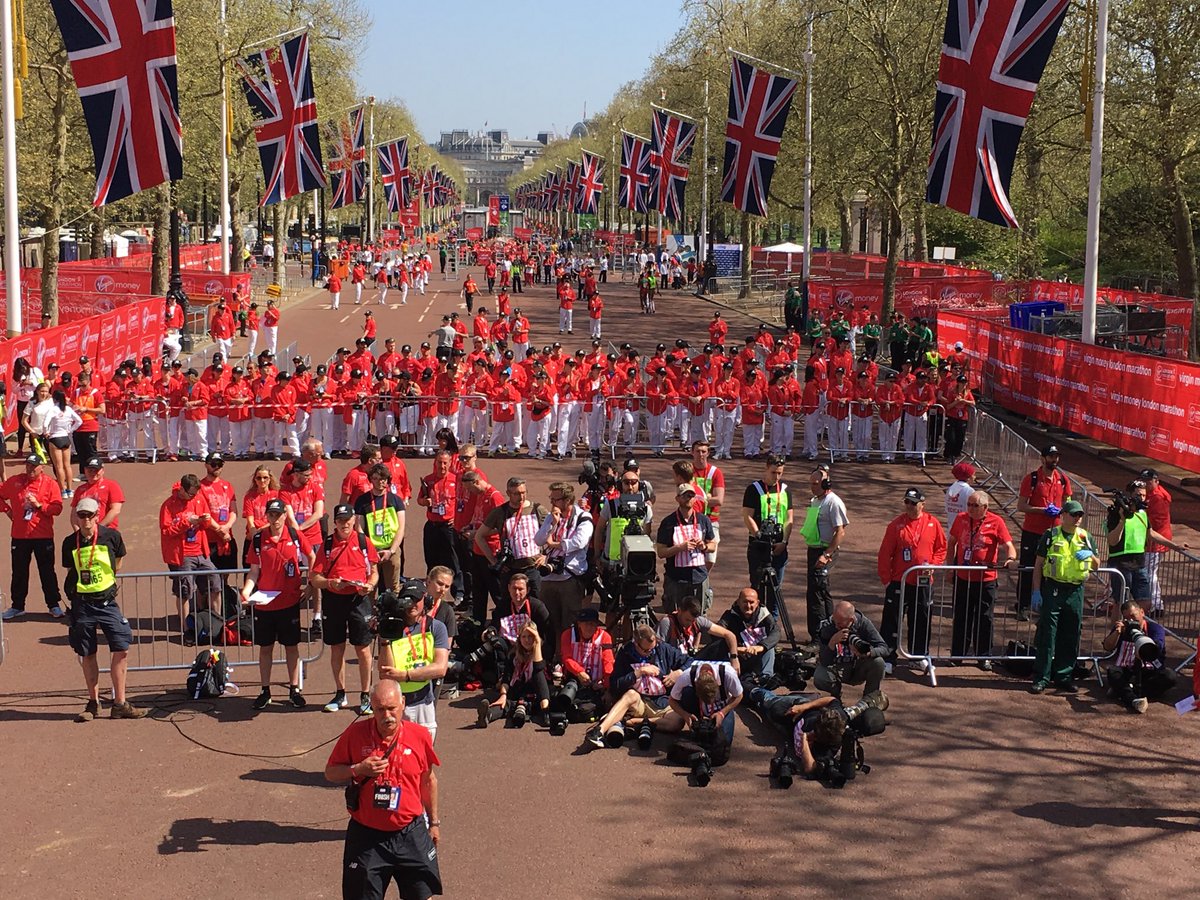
pixel 455 73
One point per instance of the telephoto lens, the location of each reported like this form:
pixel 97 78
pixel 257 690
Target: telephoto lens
pixel 701 769
pixel 645 736
pixel 520 715
pixel 615 736
pixel 558 724
pixel 783 770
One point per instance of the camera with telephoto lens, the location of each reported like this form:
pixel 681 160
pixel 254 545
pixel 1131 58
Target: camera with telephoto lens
pixel 520 714
pixel 701 769
pixel 793 669
pixel 504 559
pixel 1145 648
pixel 558 724
pixel 769 531
pixel 1127 504
pixel 783 769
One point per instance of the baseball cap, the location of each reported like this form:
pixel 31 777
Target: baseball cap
pixel 913 495
pixel 275 506
pixel 1147 474
pixel 1073 506
pixel 33 460
pixel 343 511
pixel 88 505
pixel 83 360
pixel 94 463
pixel 214 458
pixel 1050 450
pixel 685 488
pixel 389 440
pixel 963 470
pixel 958 345
pixel 301 465
pixel 591 614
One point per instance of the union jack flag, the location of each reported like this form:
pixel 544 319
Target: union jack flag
pixel 635 173
pixel 122 55
pixel 590 184
pixel 558 189
pixel 571 187
pixel 429 187
pixel 395 173
pixel 348 162
pixel 993 56
pixel 758 109
pixel 278 86
pixel 670 149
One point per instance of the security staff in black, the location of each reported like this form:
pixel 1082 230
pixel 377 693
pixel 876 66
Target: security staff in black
pixel 92 557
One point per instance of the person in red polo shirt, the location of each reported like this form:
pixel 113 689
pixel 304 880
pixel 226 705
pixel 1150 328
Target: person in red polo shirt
pixel 389 762
pixel 277 555
pixel 976 538
pixel 346 571
pixel 32 500
pixel 913 538
pixel 305 500
pixel 357 481
pixel 107 493
pixel 183 521
pixel 438 494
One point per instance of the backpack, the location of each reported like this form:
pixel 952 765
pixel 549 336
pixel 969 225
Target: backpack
pixel 208 675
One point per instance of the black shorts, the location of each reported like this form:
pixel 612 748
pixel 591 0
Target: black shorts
pixel 228 559
pixel 345 615
pixel 85 618
pixel 277 626
pixel 373 859
pixel 61 443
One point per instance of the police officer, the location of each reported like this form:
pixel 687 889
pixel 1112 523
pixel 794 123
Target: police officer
pixel 388 764
pixel 92 557
pixel 381 518
pixel 1066 556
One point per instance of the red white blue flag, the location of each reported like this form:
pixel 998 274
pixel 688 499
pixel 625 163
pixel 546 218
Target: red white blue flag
pixel 758 109
pixel 670 150
pixel 122 54
pixel 635 173
pixel 993 56
pixel 395 174
pixel 348 161
pixel 589 184
pixel 278 86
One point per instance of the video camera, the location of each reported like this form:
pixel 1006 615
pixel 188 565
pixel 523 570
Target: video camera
pixel 770 531
pixel 393 607
pixel 488 644
pixel 1145 648
pixel 1127 504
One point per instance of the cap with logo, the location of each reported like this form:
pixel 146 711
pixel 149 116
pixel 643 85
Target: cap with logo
pixel 343 511
pixel 94 463
pixel 1050 450
pixel 914 495
pixel 275 506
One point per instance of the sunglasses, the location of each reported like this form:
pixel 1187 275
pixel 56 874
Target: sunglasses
pixel 1075 514
pixel 86 515
pixel 262 477
pixel 911 502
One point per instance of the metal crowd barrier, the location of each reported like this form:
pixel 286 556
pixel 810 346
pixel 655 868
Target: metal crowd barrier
pixel 3 641
pixel 147 601
pixel 1010 634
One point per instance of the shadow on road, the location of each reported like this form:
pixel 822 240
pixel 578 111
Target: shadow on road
pixel 195 835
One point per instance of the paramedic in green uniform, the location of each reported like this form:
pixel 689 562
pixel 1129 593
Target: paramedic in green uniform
pixel 1066 555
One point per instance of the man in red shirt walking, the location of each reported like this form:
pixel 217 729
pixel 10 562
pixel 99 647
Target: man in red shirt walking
pixel 32 500
pixel 277 554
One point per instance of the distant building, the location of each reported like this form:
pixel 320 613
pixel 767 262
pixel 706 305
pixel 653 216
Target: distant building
pixel 490 158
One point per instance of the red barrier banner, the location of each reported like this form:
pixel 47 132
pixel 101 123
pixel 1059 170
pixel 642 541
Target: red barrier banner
pixel 1144 404
pixel 523 234
pixel 474 234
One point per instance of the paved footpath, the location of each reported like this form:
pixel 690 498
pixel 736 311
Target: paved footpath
pixel 975 788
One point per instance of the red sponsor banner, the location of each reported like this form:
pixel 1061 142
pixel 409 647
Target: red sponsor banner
pixel 410 216
pixel 483 257
pixel 1144 404
pixel 523 234
pixel 493 218
pixel 474 234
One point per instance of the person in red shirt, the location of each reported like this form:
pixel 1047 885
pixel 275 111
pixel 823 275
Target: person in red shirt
pixel 172 329
pixel 520 335
pixel 358 277
pixel 784 398
pixel 370 328
pixel 918 398
pixel 334 286
pixel 390 361
pixel 912 539
pixel 566 307
pixel 862 416
pixel 889 400
pixel 959 403
pixel 586 652
pixel 489 273
pixel 305 500
pixel 391 762
pixel 346 572
pixel 196 400
pixel 476 499
pixel 381 284
pixel 32 500
pixel 438 494
pixel 109 497
pixel 1158 510
pixel 753 400
pixel 221 498
pixel 183 521
pixel 220 327
pixel 283 414
pixel 726 393
pixel 270 324
pixel 88 401
pixel 976 538
pixel 277 554
pixel 238 398
pixel 504 398
pixel 717 329
pixel 837 413
pixel 541 406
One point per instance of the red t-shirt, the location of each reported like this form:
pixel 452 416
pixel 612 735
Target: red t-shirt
pixel 355 484
pixel 105 493
pixel 411 757
pixel 254 506
pixel 278 559
pixel 979 544
pixel 303 502
pixel 1052 489
pixel 346 558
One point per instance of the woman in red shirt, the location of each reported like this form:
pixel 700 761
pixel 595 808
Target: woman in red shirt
pixel 264 488
pixel 271 324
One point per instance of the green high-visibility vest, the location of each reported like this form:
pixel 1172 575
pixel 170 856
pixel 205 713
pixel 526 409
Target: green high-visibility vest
pixel 97 561
pixel 1137 529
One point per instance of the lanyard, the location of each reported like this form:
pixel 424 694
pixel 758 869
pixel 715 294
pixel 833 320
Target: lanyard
pixel 91 556
pixel 412 644
pixel 778 493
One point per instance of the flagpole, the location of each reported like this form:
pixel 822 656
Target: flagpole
pixel 703 243
pixel 672 112
pixel 12 235
pixel 808 91
pixel 770 65
pixel 225 266
pixel 1095 169
pixel 370 154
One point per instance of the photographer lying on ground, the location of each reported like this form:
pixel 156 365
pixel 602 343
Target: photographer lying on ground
pixel 1139 675
pixel 702 700
pixel 526 693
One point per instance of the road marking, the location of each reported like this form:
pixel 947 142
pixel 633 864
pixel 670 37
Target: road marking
pixel 420 318
pixel 345 318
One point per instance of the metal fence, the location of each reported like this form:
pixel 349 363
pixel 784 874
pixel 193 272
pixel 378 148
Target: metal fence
pixel 965 629
pixel 148 601
pixel 1003 458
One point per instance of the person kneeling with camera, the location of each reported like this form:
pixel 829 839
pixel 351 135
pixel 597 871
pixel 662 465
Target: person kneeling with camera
pixel 852 652
pixel 757 633
pixel 686 627
pixel 587 658
pixel 645 671
pixel 1139 675
pixel 526 693
pixel 703 700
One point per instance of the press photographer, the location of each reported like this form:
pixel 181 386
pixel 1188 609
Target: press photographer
pixel 1139 674
pixel 644 673
pixel 414 650
pixel 564 537
pixel 686 628
pixel 684 540
pixel 851 652
pixel 757 633
pixel 703 700
pixel 1129 531
pixel 627 561
pixel 516 523
pixel 587 659
pixel 526 693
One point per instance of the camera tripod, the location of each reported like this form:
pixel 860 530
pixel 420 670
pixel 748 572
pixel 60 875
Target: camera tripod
pixel 769 594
